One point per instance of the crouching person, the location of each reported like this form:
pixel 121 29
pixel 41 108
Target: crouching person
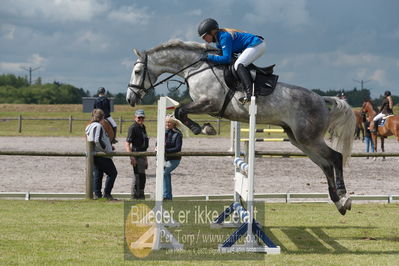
pixel 96 133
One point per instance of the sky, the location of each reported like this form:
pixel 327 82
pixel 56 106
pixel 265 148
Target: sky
pixel 324 44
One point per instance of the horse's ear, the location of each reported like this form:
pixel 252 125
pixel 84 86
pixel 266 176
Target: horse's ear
pixel 139 53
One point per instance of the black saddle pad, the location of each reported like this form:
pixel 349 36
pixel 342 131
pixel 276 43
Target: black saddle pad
pixel 265 81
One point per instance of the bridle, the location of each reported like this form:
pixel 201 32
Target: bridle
pixel 140 88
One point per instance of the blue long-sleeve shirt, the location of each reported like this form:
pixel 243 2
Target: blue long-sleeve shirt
pixel 230 45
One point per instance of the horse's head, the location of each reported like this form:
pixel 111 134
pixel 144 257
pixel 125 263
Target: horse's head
pixel 141 80
pixel 364 107
pixel 368 107
pixel 174 56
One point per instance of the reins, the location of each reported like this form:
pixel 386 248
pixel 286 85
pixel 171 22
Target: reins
pixel 141 86
pixel 229 92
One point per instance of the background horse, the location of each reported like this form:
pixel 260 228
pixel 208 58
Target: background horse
pixel 391 126
pixel 304 115
pixel 360 119
pixel 108 129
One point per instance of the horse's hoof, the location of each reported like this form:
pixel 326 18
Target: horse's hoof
pixel 343 205
pixel 208 129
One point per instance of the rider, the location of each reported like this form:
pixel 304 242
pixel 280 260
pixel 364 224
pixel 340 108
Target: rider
pixel 250 47
pixel 103 103
pixel 386 109
pixel 342 95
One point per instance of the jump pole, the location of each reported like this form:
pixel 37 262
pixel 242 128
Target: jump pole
pixel 158 230
pixel 244 189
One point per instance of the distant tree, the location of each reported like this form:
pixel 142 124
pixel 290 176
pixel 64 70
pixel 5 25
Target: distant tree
pixel 120 98
pixel 38 81
pixel 150 98
pixel 12 80
pixel 174 94
pixel 354 97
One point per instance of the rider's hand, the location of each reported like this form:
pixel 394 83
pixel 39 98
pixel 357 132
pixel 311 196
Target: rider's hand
pixel 204 57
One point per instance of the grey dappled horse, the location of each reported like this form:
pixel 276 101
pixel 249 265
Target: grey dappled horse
pixel 305 116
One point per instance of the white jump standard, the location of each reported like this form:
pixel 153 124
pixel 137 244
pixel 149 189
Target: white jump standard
pixel 158 230
pixel 255 239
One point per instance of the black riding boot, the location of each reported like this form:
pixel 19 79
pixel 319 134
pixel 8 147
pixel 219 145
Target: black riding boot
pixel 246 79
pixel 114 140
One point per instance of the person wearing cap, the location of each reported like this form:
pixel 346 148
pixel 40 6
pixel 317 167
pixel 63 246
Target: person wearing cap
pixel 97 134
pixel 173 144
pixel 103 103
pixel 233 41
pixel 137 141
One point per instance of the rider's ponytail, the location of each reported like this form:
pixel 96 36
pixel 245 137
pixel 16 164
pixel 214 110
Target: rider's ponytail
pixel 231 31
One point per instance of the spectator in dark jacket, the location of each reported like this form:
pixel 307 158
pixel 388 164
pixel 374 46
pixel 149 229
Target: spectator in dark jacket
pixel 136 141
pixel 173 144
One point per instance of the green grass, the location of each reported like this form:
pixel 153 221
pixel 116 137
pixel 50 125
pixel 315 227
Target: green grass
pixel 61 128
pixel 91 233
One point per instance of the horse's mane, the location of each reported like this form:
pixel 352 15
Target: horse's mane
pixel 372 105
pixel 176 43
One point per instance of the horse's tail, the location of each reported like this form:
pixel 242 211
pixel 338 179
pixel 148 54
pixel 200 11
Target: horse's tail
pixel 341 126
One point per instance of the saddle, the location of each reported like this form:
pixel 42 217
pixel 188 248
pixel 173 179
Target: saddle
pixel 263 77
pixel 381 122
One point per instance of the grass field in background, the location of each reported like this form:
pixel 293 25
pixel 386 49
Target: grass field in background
pixel 91 233
pixel 61 128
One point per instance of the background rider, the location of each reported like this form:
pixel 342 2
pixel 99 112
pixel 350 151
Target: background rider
pixel 385 110
pixel 103 103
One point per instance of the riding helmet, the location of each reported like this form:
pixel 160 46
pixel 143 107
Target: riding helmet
pixel 101 90
pixel 387 93
pixel 207 25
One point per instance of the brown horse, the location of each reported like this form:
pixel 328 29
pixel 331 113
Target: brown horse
pixel 108 129
pixel 360 118
pixel 391 126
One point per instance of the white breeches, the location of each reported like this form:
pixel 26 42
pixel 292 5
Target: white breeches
pixel 250 54
pixel 111 121
pixel 379 116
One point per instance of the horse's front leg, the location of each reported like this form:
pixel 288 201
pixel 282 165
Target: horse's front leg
pixel 382 147
pixel 374 139
pixel 362 131
pixel 199 107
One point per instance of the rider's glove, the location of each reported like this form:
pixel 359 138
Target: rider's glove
pixel 204 57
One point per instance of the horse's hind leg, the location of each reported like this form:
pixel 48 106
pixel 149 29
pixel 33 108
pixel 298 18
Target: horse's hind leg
pixel 383 147
pixel 345 203
pixel 328 160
